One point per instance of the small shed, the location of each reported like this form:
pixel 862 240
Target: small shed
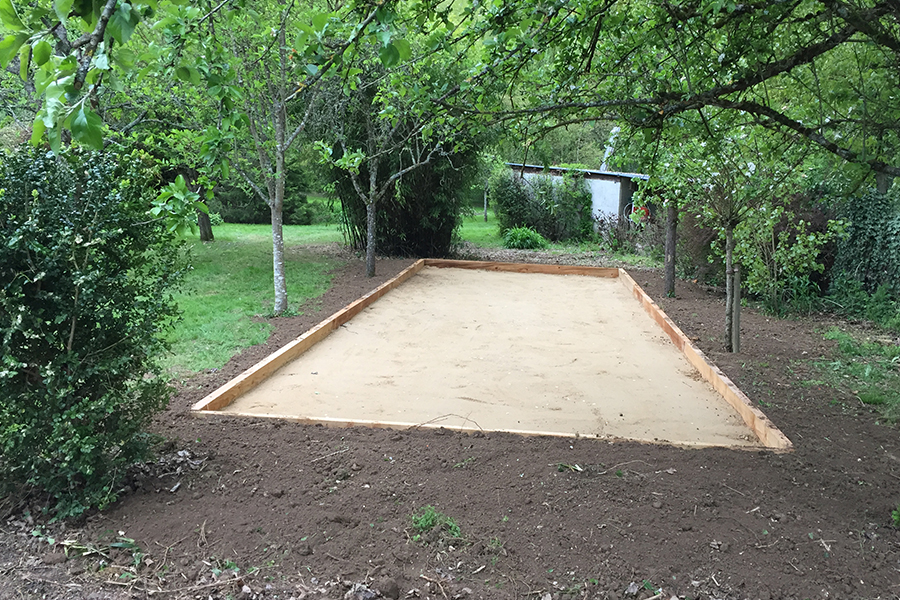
pixel 611 192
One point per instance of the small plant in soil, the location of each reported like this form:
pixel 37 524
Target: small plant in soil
pixel 895 516
pixel 428 518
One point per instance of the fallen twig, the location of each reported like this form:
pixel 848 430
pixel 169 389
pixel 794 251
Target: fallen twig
pixel 767 545
pixel 29 577
pixel 195 588
pixel 435 581
pixel 733 490
pixel 444 417
pixel 614 467
pixel 328 455
pixel 167 548
pixel 202 538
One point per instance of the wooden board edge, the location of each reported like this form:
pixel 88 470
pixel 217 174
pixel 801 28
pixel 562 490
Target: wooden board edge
pixel 227 393
pixel 768 434
pixel 339 423
pixel 484 265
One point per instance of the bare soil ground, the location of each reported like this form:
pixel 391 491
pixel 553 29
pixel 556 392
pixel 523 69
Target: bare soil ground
pixel 248 509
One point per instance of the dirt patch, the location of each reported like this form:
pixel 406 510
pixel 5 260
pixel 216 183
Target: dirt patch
pixel 321 512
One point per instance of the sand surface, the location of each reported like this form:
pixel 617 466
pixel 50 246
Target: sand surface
pixel 517 352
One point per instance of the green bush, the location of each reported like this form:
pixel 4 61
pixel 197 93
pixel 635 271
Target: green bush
pixel 508 195
pixel 421 212
pixel 558 209
pixel 780 254
pixel 523 238
pixel 86 278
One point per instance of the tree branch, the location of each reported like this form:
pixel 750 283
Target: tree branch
pixel 92 39
pixel 252 184
pixel 809 133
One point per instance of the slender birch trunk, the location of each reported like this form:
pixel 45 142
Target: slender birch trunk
pixel 370 239
pixel 278 262
pixel 277 204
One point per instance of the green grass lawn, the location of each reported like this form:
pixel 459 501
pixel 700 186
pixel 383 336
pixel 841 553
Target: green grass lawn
pixel 293 234
pixel 230 285
pixel 476 231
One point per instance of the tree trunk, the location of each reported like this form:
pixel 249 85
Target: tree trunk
pixel 883 182
pixel 736 311
pixel 277 205
pixel 370 239
pixel 485 203
pixel 206 232
pixel 729 286
pixel 281 302
pixel 671 240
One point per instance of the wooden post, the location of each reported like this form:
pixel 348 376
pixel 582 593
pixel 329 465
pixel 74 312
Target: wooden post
pixel 671 243
pixel 736 317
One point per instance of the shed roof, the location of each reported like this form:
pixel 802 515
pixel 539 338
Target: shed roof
pixel 588 173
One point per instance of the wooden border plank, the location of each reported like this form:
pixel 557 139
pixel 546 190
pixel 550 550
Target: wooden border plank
pixel 756 420
pixel 344 423
pixel 522 267
pixel 250 378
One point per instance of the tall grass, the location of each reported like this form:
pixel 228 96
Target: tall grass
pixel 228 294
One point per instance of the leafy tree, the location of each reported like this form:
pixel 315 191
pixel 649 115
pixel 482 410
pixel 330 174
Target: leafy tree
pixel 385 123
pixel 783 66
pixel 70 71
pixel 724 172
pixel 780 252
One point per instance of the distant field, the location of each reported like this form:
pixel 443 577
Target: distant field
pixel 293 234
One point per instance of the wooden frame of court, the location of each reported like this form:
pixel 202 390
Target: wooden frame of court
pixel 767 433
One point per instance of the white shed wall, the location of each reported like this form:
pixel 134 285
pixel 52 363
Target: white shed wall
pixel 604 194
